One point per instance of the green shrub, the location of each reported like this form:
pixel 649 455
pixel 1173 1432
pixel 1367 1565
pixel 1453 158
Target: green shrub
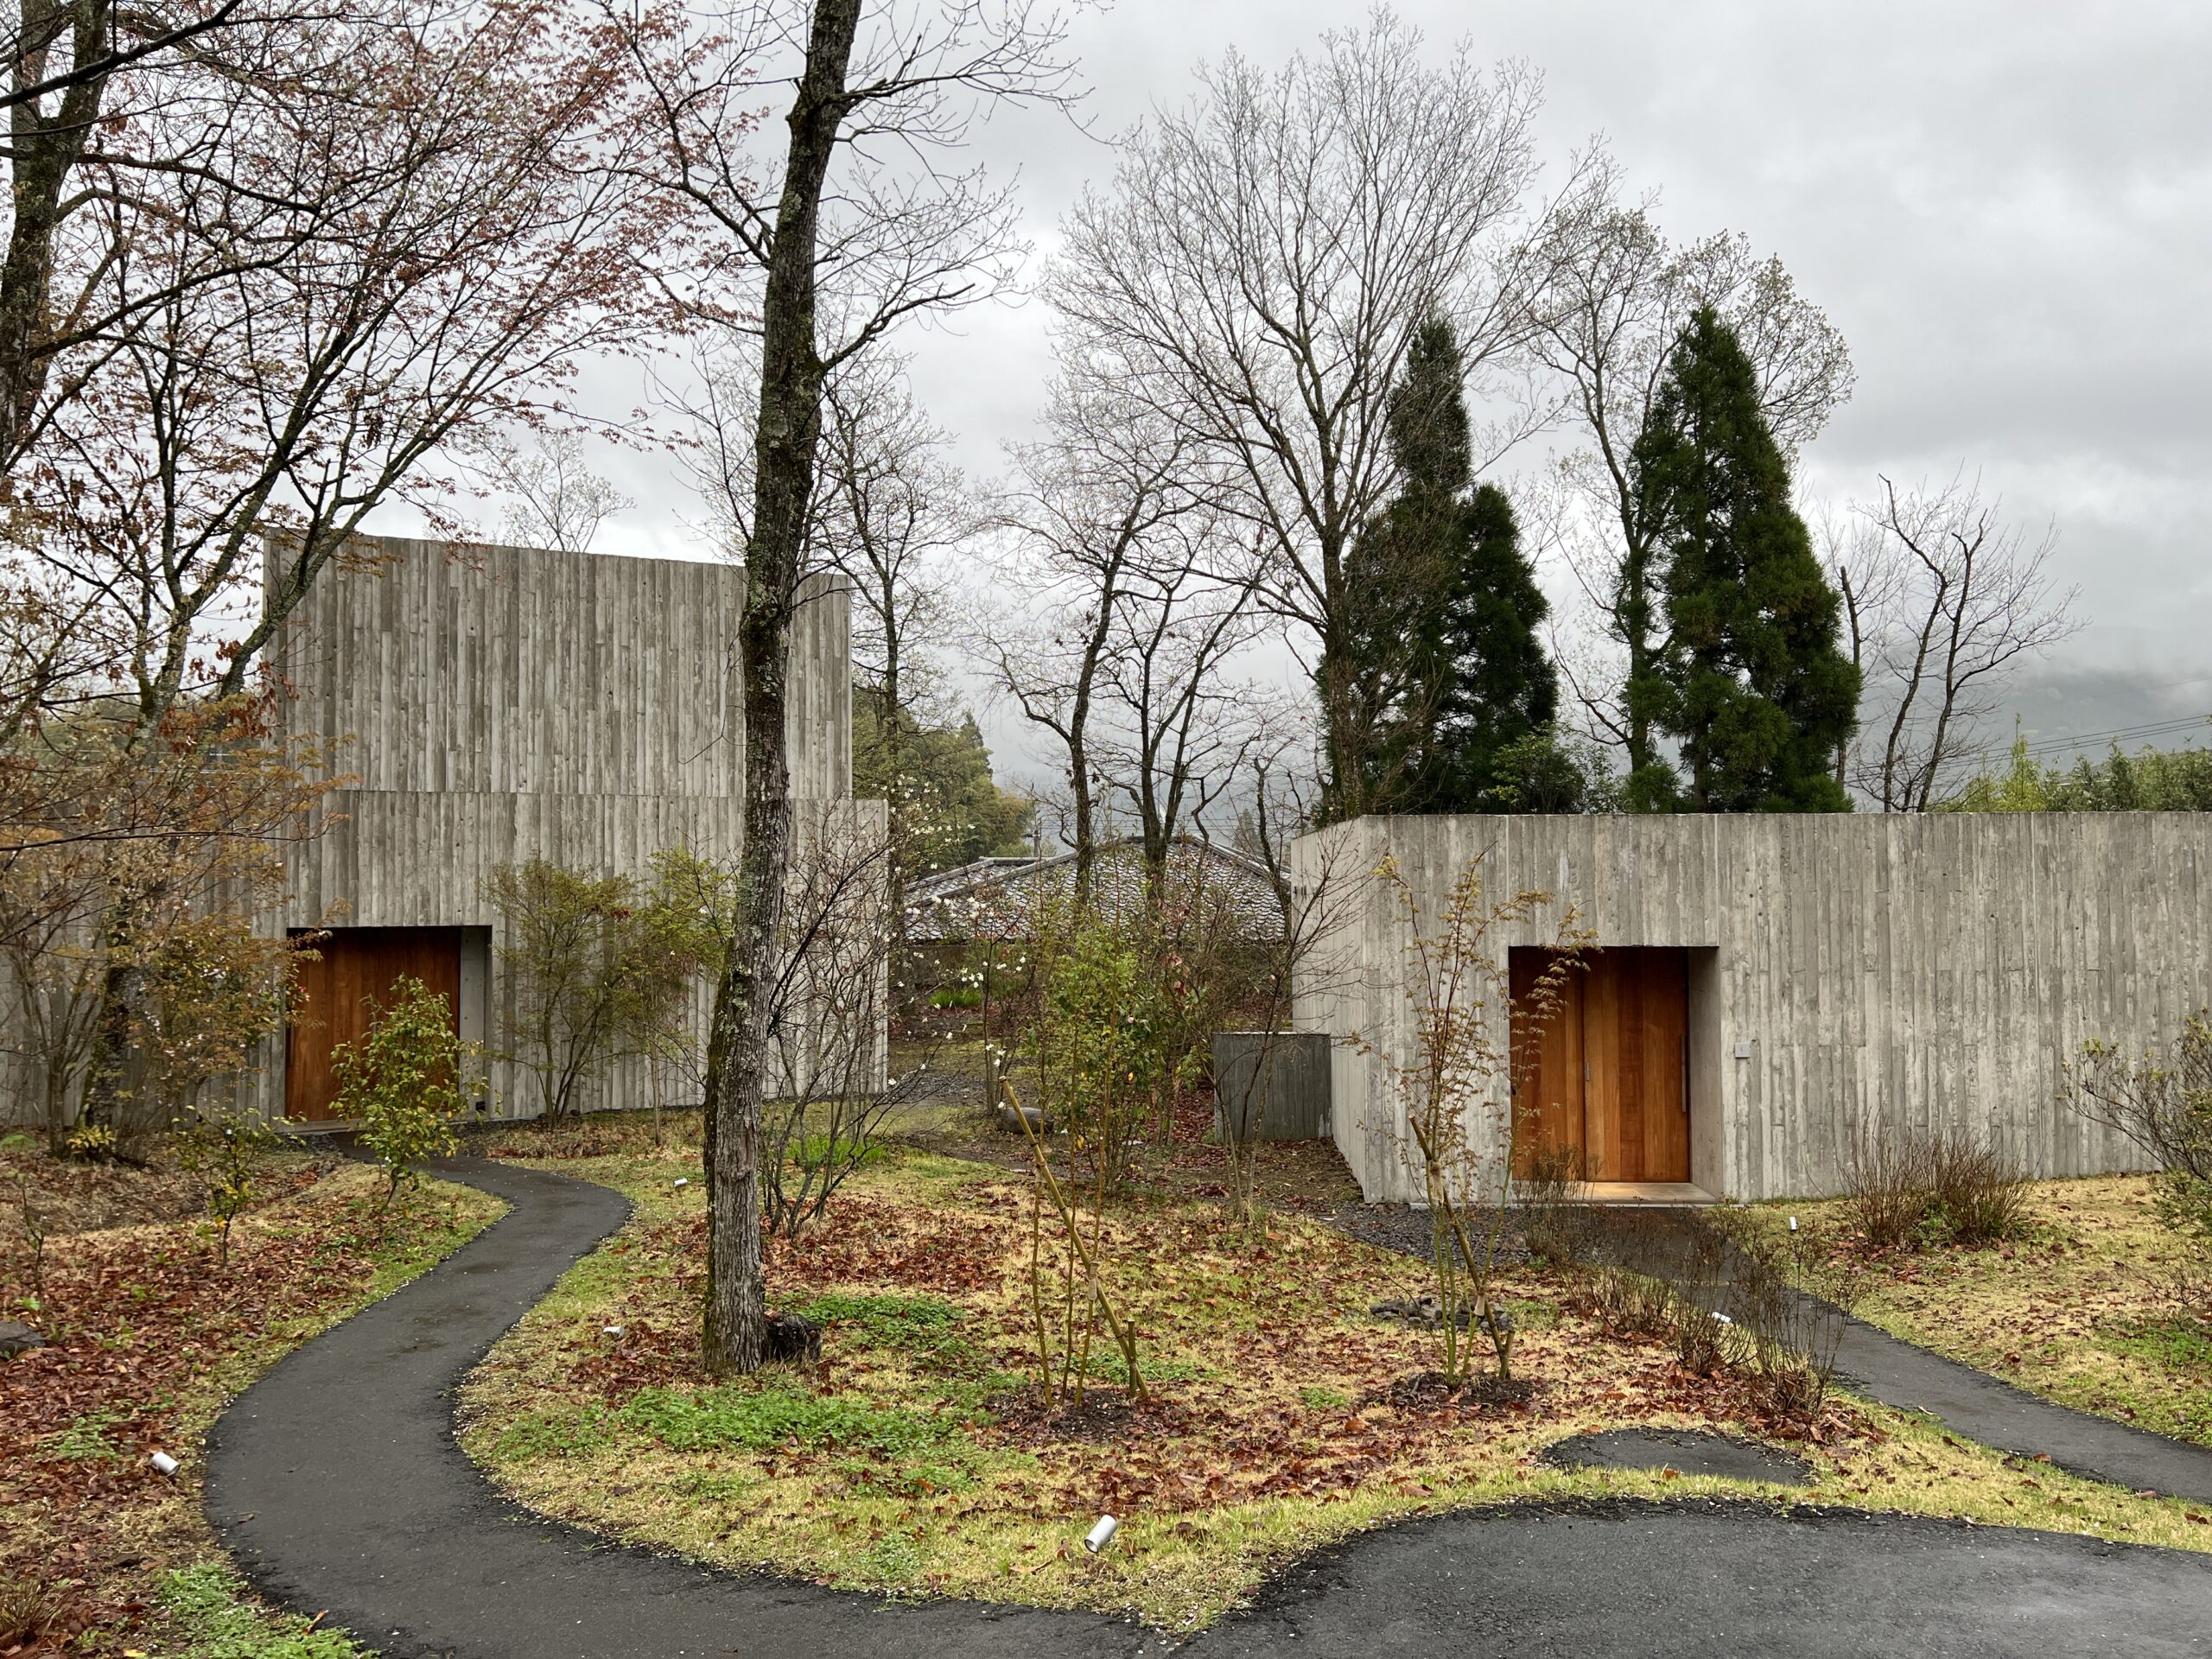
pixel 90 1143
pixel 224 1148
pixel 403 1080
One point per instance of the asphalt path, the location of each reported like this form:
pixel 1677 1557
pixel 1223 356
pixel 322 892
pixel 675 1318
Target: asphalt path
pixel 338 1485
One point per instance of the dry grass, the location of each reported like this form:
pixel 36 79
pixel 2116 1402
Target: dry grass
pixel 149 1340
pixel 909 1466
pixel 2081 1309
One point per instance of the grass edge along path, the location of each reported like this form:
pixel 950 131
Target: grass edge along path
pixel 1179 1570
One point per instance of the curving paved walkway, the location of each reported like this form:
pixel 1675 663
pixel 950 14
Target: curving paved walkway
pixel 1985 1408
pixel 337 1483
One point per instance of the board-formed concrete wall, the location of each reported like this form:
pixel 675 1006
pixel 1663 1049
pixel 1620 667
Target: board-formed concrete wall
pixel 1930 972
pixel 487 705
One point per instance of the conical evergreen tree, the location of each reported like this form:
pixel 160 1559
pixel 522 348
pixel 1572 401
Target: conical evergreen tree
pixel 1460 693
pixel 1753 683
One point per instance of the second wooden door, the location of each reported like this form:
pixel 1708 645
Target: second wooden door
pixel 1607 1076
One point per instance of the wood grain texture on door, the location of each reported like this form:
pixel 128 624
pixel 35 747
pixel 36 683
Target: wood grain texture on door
pixel 339 991
pixel 1611 1077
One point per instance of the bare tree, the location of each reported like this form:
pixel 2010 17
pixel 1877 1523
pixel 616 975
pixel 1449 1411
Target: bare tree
pixel 1943 599
pixel 1258 267
pixel 1111 479
pixel 892 510
pixel 1180 723
pixel 812 252
pixel 1617 295
pixel 554 498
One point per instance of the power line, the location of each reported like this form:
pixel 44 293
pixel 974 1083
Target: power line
pixel 2121 735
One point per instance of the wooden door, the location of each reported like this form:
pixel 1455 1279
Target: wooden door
pixel 340 992
pixel 1611 1076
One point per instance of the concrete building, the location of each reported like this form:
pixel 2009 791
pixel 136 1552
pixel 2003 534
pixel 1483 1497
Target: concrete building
pixel 487 705
pixel 1765 989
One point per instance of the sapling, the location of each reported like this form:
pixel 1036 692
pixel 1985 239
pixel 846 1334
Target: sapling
pixel 1456 1083
pixel 403 1081
pixel 224 1147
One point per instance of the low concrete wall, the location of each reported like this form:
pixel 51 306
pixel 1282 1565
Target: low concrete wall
pixel 1270 1088
pixel 1928 972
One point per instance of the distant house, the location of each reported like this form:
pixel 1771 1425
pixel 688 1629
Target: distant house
pixel 998 898
pixel 494 704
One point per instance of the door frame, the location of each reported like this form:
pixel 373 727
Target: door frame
pixel 1609 987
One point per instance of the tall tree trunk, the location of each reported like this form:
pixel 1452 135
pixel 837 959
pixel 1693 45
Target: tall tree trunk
pixel 46 149
pixel 788 434
pixel 1086 832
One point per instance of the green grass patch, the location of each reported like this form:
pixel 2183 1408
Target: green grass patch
pixel 208 1603
pixel 914 1324
pixel 2177 1345
pixel 556 1433
pixel 86 1440
pixel 760 1419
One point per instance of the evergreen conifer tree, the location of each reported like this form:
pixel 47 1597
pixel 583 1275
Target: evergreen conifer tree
pixel 1751 682
pixel 1459 694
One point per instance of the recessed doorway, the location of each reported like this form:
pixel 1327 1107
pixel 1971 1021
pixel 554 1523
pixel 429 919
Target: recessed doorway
pixel 1607 1076
pixel 339 993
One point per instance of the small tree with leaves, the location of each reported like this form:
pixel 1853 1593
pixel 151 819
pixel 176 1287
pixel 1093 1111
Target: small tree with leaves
pixel 404 1080
pixel 224 1146
pixel 587 959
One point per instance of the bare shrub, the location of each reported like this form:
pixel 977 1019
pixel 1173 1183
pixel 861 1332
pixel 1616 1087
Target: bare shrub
pixel 1727 1290
pixel 1557 1222
pixel 1886 1190
pixel 1788 1310
pixel 1908 1192
pixel 1976 1196
pixel 1699 1294
pixel 2160 1101
pixel 828 1011
pixel 1628 1302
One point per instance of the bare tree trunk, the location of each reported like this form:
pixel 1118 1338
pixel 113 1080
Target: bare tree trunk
pixel 789 432
pixel 45 151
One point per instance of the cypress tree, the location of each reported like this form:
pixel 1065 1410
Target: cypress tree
pixel 1752 682
pixel 1460 694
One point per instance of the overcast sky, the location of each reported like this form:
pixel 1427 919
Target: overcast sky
pixel 2006 208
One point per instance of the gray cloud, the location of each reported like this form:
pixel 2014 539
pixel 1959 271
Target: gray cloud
pixel 2007 209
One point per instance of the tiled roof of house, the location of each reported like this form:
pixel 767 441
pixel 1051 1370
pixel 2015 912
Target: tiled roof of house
pixel 995 898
